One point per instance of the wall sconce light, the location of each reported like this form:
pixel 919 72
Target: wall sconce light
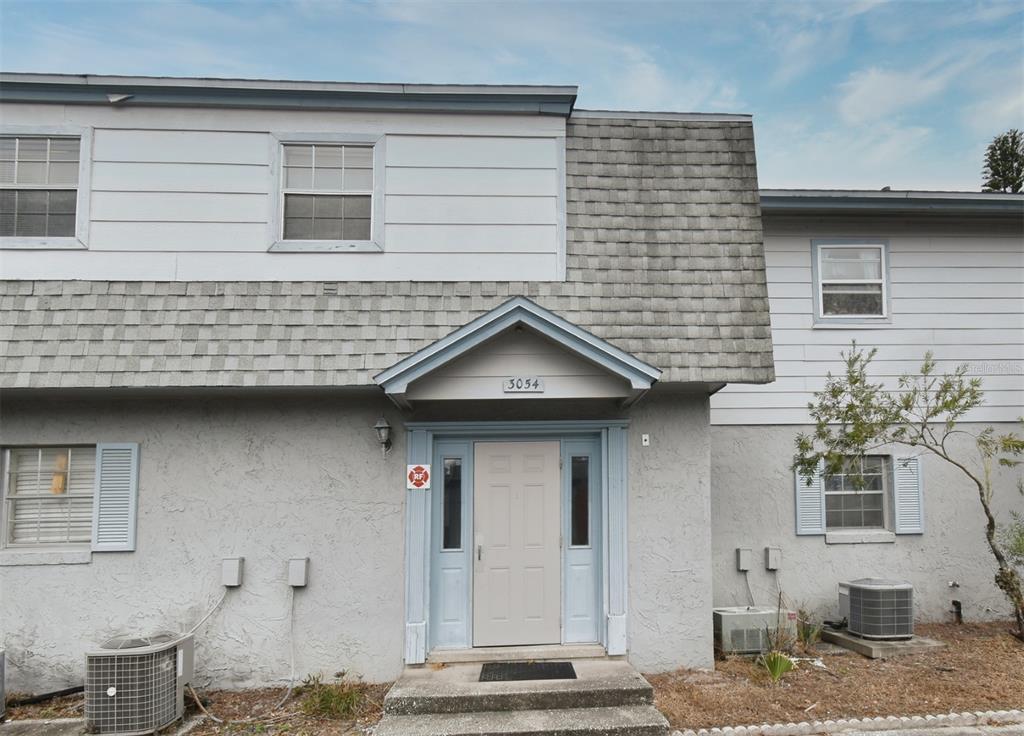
pixel 383 430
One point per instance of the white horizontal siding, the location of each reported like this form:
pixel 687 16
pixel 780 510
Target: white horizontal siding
pixel 473 181
pixel 446 238
pixel 175 207
pixel 470 210
pixel 469 197
pixel 959 295
pixel 182 265
pixel 181 146
pixel 473 152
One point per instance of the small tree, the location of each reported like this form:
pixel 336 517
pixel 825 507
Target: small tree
pixel 853 416
pixel 1004 163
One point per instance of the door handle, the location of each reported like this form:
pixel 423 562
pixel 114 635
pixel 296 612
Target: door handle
pixel 479 553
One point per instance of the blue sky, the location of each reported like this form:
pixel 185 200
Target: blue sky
pixel 858 94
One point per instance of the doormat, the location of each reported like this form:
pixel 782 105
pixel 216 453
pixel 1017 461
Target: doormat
pixel 512 671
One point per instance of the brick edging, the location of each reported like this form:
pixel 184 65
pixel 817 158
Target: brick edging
pixel 887 723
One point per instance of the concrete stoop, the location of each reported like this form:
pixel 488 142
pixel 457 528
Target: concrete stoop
pixel 608 698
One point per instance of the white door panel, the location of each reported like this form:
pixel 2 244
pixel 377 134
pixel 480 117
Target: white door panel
pixel 517 560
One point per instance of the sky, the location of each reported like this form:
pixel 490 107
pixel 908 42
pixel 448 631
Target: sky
pixel 855 94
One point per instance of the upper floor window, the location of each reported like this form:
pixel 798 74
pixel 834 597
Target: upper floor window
pixel 851 281
pixel 38 186
pixel 328 192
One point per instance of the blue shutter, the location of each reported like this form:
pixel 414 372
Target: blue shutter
pixel 116 500
pixel 908 504
pixel 810 504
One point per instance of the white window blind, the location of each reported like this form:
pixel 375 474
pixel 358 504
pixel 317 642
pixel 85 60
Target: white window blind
pixel 38 186
pixel 851 281
pixel 48 495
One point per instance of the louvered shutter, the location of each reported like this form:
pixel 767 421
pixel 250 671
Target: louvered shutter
pixel 908 502
pixel 810 504
pixel 116 500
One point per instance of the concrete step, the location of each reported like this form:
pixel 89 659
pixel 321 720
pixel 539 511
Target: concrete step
pixel 457 689
pixel 636 720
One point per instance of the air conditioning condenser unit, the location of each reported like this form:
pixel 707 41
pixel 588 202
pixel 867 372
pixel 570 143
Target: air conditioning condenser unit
pixel 878 609
pixel 136 685
pixel 746 629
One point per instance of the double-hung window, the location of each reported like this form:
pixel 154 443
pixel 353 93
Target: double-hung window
pixel 328 200
pixel 39 181
pixel 851 281
pixel 870 497
pixel 856 498
pixel 48 495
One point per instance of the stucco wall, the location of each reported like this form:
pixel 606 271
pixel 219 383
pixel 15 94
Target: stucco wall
pixel 752 504
pixel 274 478
pixel 670 534
pixel 267 479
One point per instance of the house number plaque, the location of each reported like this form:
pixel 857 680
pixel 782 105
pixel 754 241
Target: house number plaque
pixel 523 385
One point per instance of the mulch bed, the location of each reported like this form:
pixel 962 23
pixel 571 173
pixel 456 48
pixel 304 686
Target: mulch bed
pixel 981 668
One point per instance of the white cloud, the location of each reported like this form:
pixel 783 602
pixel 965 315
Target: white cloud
pixel 876 93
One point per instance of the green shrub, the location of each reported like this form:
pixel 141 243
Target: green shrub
pixel 776 664
pixel 337 700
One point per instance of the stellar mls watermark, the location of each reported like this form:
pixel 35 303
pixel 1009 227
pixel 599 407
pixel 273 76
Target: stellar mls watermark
pixel 995 368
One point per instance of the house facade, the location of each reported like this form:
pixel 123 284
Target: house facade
pixel 452 347
pixel 906 273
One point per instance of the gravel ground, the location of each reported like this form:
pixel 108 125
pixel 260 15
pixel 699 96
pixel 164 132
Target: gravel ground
pixel 981 668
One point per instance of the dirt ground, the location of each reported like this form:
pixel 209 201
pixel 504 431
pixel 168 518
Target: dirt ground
pixel 244 712
pixel 981 668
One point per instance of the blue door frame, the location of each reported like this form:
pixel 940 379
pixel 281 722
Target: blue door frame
pixel 431 442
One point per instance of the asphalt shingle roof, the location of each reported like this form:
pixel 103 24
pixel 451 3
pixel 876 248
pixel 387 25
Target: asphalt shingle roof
pixel 664 260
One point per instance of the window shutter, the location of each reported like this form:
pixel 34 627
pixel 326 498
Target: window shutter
pixel 810 504
pixel 907 497
pixel 116 500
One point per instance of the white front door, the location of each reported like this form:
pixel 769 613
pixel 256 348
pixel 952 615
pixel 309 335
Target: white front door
pixel 516 559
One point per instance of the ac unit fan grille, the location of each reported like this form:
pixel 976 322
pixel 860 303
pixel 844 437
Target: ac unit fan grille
pixel 882 613
pixel 145 692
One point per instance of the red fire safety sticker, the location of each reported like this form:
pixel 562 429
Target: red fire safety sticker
pixel 417 477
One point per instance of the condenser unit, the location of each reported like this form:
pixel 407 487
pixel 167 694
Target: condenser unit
pixel 136 685
pixel 878 609
pixel 747 629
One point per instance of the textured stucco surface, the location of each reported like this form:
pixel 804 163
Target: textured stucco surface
pixel 266 479
pixel 670 534
pixel 752 504
pixel 274 478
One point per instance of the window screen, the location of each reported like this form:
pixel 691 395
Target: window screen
pixel 48 495
pixel 38 186
pixel 328 191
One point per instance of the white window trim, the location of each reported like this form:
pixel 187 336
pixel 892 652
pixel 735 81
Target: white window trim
pixel 853 533
pixel 276 236
pixel 61 552
pixel 80 240
pixel 820 318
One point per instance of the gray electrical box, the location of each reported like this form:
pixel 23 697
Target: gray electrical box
pixel 743 559
pixel 231 571
pixel 298 570
pixel 772 558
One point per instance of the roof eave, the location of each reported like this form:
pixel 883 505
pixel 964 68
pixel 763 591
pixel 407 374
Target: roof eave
pixel 261 94
pixel 824 202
